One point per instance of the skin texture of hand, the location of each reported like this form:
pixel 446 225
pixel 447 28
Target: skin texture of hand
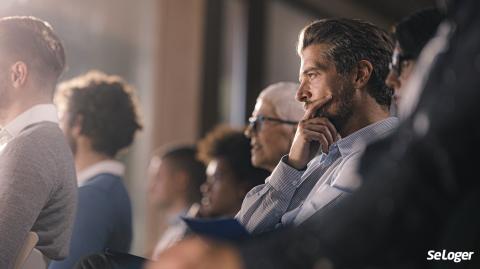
pixel 198 253
pixel 312 133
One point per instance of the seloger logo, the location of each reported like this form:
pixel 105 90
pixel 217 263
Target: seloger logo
pixel 449 256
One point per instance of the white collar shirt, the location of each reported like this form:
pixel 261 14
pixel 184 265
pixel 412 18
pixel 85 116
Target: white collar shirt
pixel 104 167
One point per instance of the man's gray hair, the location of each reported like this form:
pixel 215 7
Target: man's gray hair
pixel 281 96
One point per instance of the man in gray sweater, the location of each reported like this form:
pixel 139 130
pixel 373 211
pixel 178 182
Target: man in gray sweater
pixel 37 174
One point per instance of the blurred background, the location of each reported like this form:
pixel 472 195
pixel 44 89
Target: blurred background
pixel 194 63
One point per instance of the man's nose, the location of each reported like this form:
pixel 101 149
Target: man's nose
pixel 392 81
pixel 303 94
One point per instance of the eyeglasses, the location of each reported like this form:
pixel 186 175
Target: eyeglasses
pixel 255 123
pixel 397 62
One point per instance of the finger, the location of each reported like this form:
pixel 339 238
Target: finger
pixel 332 129
pixel 326 122
pixel 321 128
pixel 319 137
pixel 311 111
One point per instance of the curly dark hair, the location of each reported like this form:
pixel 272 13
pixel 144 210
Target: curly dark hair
pixel 107 109
pixel 232 146
pixel 352 41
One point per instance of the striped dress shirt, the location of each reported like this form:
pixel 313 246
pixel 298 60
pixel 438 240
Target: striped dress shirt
pixel 290 196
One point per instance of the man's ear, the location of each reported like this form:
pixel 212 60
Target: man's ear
pixel 18 74
pixel 362 75
pixel 76 128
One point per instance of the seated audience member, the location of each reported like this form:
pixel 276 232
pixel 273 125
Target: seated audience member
pixel 273 124
pixel 423 201
pixel 344 64
pixel 272 127
pixel 98 115
pixel 230 173
pixel 37 173
pixel 411 34
pixel 175 179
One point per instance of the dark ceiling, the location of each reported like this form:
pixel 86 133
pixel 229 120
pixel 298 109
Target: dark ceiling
pixel 394 9
pixel 382 12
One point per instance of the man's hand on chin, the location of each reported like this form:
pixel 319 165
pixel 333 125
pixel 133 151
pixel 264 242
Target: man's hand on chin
pixel 198 253
pixel 314 132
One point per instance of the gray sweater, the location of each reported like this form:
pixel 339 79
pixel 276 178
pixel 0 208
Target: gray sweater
pixel 38 192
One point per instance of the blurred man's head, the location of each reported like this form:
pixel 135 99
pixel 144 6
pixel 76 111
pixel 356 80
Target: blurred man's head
pixel 230 174
pixel 175 177
pixel 31 60
pixel 347 60
pixel 273 124
pixel 411 34
pixel 98 112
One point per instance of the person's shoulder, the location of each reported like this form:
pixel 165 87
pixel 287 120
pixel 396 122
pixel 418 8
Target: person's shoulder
pixel 105 183
pixel 27 145
pixel 43 138
pixel 43 132
pixel 47 138
pixel 43 149
pixel 106 192
pixel 40 162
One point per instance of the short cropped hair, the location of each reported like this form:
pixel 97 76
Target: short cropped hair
pixel 281 96
pixel 232 145
pixel 34 42
pixel 352 41
pixel 184 158
pixel 413 32
pixel 107 107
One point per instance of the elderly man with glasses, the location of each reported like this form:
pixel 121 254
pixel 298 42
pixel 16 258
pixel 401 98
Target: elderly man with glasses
pixel 273 124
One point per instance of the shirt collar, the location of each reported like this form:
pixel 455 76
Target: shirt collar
pixel 35 114
pixel 359 139
pixel 104 167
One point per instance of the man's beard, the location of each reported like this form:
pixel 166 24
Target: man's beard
pixel 344 110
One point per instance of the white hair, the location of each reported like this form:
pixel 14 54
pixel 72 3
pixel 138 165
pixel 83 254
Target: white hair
pixel 281 96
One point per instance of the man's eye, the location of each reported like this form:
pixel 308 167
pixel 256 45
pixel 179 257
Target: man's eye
pixel 311 75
